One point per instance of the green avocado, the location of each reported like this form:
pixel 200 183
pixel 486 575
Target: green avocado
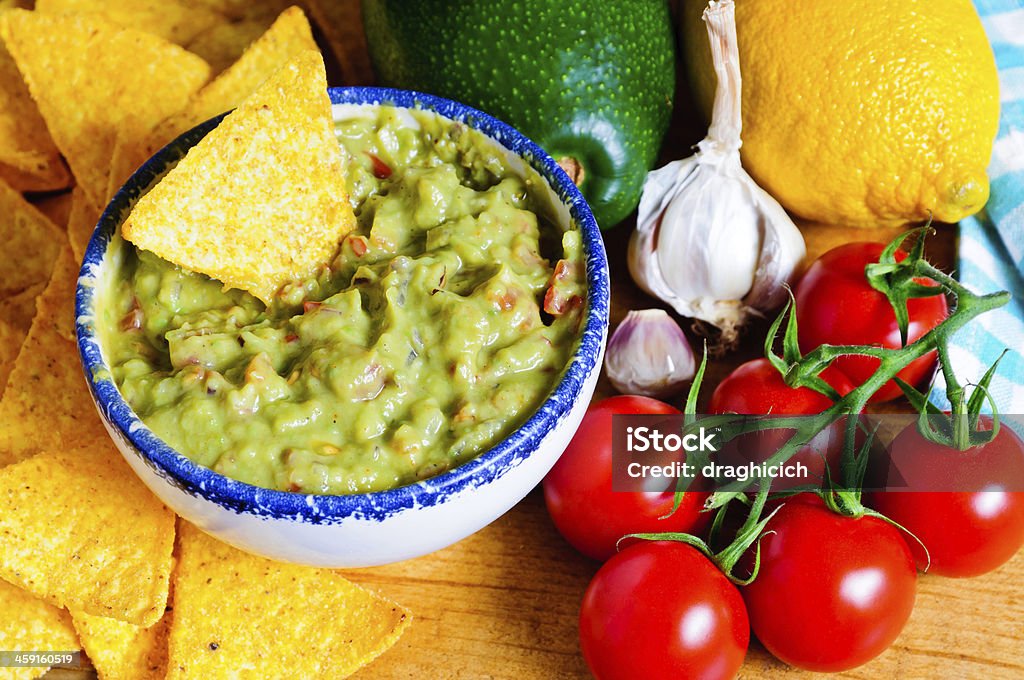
pixel 591 81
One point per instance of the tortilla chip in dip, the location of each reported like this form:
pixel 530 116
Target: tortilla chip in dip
pixel 235 613
pixel 31 243
pixel 81 531
pixel 289 35
pixel 29 624
pixel 285 39
pixel 87 76
pixel 261 200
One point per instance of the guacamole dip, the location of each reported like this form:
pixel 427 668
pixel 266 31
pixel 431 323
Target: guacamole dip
pixel 443 322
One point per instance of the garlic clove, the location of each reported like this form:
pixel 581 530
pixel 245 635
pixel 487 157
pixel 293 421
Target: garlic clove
pixel 709 241
pixel 648 354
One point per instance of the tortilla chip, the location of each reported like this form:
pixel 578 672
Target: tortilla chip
pixel 235 611
pixel 123 651
pixel 342 26
pixel 29 160
pixel 130 151
pixel 80 530
pixel 178 22
pixel 261 200
pixel 81 222
pixel 46 405
pixel 56 207
pixel 29 624
pixel 56 304
pixel 241 10
pixel 11 338
pixel 18 310
pixel 223 44
pixel 286 38
pixel 88 75
pixel 30 243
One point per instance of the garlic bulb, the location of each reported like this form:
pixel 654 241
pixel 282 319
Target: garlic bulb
pixel 649 355
pixel 709 241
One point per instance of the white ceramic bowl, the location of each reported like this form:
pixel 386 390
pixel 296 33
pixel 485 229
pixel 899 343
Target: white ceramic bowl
pixel 362 529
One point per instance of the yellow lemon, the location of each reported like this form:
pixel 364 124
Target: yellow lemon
pixel 861 112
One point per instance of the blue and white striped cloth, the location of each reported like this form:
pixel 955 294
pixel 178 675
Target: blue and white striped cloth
pixel 990 253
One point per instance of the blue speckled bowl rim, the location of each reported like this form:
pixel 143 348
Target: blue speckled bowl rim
pixel 199 481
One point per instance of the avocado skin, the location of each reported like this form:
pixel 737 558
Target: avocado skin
pixel 593 80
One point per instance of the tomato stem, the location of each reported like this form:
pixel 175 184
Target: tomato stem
pixel 899 281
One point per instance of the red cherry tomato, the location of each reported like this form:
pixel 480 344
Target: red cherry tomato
pixel 756 387
pixel 968 532
pixel 833 592
pixel 578 490
pixel 836 305
pixel 662 610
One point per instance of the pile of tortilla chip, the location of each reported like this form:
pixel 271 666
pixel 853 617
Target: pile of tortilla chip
pixel 90 560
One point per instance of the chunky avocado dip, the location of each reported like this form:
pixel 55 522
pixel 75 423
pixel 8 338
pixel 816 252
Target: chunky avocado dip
pixel 443 322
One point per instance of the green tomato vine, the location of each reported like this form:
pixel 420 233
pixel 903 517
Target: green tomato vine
pixel 899 280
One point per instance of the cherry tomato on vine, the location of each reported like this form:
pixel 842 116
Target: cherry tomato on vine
pixel 757 387
pixel 836 305
pixel 662 610
pixel 967 532
pixel 578 489
pixel 833 592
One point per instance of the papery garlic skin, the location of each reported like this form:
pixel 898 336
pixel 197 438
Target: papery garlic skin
pixel 648 354
pixel 709 241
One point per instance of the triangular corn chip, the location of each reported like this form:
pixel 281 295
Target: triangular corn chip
pixel 11 338
pixel 88 75
pixel 222 44
pixel 29 624
pixel 56 305
pixel 287 37
pixel 81 222
pixel 173 20
pixel 130 151
pixel 80 530
pixel 261 200
pixel 242 10
pixel 238 614
pixel 19 309
pixel 30 243
pixel 123 651
pixel 29 160
pixel 46 405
